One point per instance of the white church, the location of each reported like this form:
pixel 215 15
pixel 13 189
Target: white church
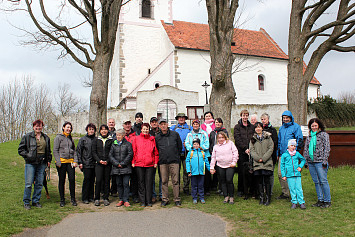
pixel 160 65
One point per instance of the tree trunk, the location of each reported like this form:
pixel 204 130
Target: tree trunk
pixel 99 91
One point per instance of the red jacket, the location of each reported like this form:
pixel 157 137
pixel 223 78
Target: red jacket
pixel 130 137
pixel 145 152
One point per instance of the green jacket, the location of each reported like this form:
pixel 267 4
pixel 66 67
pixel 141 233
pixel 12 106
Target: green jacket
pixel 262 150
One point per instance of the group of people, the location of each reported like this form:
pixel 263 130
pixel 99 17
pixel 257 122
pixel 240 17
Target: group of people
pixel 129 157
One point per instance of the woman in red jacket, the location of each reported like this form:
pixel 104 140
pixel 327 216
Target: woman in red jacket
pixel 145 159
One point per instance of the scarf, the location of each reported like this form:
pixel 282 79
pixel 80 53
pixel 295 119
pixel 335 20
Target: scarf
pixel 208 124
pixel 260 138
pixel 66 134
pixel 312 144
pixel 292 153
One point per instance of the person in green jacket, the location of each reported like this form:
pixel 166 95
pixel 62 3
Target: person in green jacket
pixel 291 166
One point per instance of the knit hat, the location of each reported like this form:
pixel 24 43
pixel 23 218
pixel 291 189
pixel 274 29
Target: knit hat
pixel 138 115
pixel 196 121
pixel 292 142
pixel 196 140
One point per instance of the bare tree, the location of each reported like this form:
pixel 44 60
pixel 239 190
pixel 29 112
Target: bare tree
pixel 347 97
pixel 101 17
pixel 221 14
pixel 309 34
pixel 67 103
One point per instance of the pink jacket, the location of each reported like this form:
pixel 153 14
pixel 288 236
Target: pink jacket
pixel 204 128
pixel 225 155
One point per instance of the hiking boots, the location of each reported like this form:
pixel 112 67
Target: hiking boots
pixel 326 204
pixel 27 206
pixel 303 206
pixel 318 204
pixel 37 204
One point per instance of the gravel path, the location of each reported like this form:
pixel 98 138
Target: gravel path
pixel 161 222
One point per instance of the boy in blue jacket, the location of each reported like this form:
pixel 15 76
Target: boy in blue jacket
pixel 196 161
pixel 291 165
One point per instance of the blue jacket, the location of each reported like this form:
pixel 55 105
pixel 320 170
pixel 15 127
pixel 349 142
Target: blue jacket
pixel 204 141
pixel 183 131
pixel 290 164
pixel 289 131
pixel 197 163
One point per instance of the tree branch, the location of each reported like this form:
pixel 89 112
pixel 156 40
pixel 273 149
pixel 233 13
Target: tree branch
pixel 343 49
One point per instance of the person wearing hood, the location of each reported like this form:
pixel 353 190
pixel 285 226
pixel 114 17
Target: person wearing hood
pixel 137 126
pixel 288 130
pixel 65 161
pixel 243 132
pixel 87 163
pixel 261 149
pixel 101 146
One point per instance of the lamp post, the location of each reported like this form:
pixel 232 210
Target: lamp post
pixel 205 85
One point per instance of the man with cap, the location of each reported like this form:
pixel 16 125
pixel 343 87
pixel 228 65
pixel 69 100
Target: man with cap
pixel 183 129
pixel 154 130
pixel 137 126
pixel 127 127
pixel 169 146
pixel 288 130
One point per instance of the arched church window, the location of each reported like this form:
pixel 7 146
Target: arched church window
pixel 261 83
pixel 167 110
pixel 146 9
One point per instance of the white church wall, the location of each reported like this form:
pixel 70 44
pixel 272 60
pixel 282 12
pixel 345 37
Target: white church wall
pixel 312 91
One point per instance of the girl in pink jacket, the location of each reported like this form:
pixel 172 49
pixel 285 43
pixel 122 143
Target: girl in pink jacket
pixel 224 159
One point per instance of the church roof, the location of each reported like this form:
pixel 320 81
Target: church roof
pixel 188 35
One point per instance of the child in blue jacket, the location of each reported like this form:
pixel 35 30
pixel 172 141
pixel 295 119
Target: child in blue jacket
pixel 291 165
pixel 196 161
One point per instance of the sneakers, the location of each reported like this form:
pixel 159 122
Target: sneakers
pixel 203 201
pixel 326 204
pixel 86 201
pixel 282 196
pixel 226 199
pixel 97 203
pixel 231 200
pixel 37 204
pixel 194 201
pixel 126 204
pixel 293 206
pixel 120 203
pixel 106 202
pixel 27 206
pixel 62 203
pixel 73 202
pixel 318 204
pixel 303 206
pixel 178 203
pixel 149 205
pixel 164 203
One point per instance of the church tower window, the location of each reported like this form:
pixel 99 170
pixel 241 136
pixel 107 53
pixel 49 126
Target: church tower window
pixel 146 9
pixel 261 82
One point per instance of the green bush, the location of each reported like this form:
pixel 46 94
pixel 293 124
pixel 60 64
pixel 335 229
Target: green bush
pixel 333 113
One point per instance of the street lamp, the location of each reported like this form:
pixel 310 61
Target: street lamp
pixel 205 85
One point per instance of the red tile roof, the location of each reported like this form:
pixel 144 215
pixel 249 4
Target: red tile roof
pixel 196 36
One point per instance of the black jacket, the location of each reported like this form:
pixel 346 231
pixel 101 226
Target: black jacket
pixel 274 138
pixel 99 151
pixel 213 137
pixel 242 136
pixel 28 149
pixel 154 132
pixel 121 155
pixel 169 146
pixel 137 127
pixel 83 152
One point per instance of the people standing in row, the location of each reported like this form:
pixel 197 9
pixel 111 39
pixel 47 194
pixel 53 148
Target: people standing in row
pixel 288 130
pixel 291 164
pixel 87 163
pixel 243 132
pixel 316 152
pixel 101 146
pixel 183 129
pixel 36 150
pixel 169 146
pixel 145 161
pixel 65 161
pixel 224 160
pixel 120 157
pixel 261 149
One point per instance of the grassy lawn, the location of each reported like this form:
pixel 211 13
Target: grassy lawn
pixel 245 218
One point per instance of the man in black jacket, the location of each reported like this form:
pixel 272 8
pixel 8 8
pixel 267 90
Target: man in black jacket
pixel 169 146
pixel 137 126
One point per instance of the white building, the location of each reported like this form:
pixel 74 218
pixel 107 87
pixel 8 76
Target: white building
pixel 152 51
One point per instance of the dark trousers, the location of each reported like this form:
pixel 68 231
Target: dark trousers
pixel 263 180
pixel 244 176
pixel 134 183
pixel 197 182
pixel 208 178
pixel 113 189
pixel 226 180
pixel 145 183
pixel 123 186
pixel 62 171
pixel 88 184
pixel 102 173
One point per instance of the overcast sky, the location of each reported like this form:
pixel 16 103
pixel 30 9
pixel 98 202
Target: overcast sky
pixel 336 71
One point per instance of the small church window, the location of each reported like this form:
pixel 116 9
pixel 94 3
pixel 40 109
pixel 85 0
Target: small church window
pixel 261 82
pixel 233 44
pixel 146 9
pixel 156 85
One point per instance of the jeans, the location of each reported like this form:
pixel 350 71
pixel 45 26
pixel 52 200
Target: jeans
pixel 33 173
pixel 145 184
pixel 226 180
pixel 160 190
pixel 295 186
pixel 62 171
pixel 88 184
pixel 197 183
pixel 319 176
pixel 123 186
